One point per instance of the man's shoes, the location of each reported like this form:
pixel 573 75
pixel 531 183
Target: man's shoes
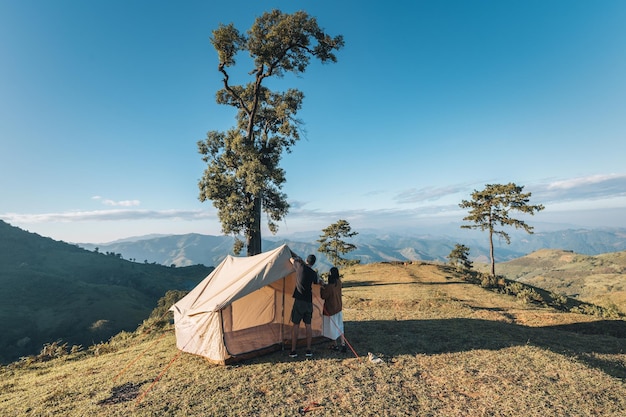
pixel 309 353
pixel 333 347
pixel 343 349
pixel 293 354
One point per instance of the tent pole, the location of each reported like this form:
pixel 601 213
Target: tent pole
pixel 282 318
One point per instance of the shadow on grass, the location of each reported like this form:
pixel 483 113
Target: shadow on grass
pixel 122 393
pixel 380 284
pixel 583 340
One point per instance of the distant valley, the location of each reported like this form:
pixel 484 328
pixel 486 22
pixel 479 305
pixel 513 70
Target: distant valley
pixel 52 290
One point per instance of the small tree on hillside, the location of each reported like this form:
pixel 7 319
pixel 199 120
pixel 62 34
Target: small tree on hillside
pixel 332 245
pixel 490 208
pixel 243 177
pixel 459 257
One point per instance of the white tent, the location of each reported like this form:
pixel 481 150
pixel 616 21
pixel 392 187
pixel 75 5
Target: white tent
pixel 242 308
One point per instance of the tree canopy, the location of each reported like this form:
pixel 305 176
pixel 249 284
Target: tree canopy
pixel 243 177
pixel 491 207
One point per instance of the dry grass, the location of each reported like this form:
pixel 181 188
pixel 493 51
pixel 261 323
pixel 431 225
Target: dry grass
pixel 449 348
pixel 596 279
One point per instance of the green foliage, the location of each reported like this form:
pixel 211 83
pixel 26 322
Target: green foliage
pixel 559 301
pixel 243 177
pixel 154 325
pixel 332 244
pixel 523 292
pixel 595 310
pixel 53 290
pixel 459 257
pixel 48 352
pixel 489 281
pixel 529 295
pixel 159 318
pixel 490 208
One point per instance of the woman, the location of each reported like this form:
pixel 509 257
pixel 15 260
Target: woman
pixel 333 314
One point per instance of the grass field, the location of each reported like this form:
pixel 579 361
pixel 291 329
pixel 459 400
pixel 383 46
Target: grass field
pixel 448 348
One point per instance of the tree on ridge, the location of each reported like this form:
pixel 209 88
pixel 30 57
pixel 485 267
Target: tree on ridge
pixel 490 208
pixel 459 257
pixel 332 245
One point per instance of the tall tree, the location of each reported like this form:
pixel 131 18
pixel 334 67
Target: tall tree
pixel 490 208
pixel 243 177
pixel 332 245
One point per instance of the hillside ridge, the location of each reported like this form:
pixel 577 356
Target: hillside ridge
pixel 598 279
pixel 53 290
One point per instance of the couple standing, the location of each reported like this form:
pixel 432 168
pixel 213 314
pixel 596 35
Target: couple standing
pixel 303 305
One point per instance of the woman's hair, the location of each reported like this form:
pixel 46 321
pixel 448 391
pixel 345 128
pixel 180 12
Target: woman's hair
pixel 333 275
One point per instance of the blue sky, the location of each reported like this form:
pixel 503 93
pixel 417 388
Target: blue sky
pixel 103 103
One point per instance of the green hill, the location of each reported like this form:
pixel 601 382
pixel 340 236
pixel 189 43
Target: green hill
pixel 447 348
pixel 599 279
pixel 53 290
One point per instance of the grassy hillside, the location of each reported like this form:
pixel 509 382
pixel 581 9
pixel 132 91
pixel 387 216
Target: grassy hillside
pixel 52 290
pixel 599 279
pixel 448 348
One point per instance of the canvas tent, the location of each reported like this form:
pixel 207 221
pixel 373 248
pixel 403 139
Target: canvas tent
pixel 242 308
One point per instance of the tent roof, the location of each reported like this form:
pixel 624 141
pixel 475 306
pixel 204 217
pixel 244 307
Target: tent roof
pixel 234 278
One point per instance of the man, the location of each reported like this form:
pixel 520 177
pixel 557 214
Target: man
pixel 303 301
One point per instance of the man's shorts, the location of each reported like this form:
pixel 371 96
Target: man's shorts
pixel 302 311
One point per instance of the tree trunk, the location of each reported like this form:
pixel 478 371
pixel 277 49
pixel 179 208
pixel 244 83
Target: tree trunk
pixel 254 234
pixel 493 262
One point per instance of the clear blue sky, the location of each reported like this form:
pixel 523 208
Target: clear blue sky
pixel 103 102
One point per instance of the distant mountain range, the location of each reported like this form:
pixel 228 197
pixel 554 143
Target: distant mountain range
pixel 372 246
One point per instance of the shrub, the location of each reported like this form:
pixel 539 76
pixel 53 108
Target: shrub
pixel 53 350
pixel 558 301
pixel 513 288
pixel 595 310
pixel 529 295
pixel 102 348
pixel 489 281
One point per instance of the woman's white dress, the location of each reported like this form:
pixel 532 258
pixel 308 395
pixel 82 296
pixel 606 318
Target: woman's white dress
pixel 333 326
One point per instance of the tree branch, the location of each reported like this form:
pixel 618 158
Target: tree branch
pixel 230 90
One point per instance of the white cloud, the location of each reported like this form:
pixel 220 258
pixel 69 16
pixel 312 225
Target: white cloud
pixel 124 203
pixel 113 203
pixel 428 193
pixel 592 200
pixel 104 215
pixel 594 187
pixel 582 181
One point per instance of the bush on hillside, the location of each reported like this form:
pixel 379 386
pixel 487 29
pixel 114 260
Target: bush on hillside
pixel 595 310
pixel 558 300
pixel 159 317
pixel 157 320
pixel 49 351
